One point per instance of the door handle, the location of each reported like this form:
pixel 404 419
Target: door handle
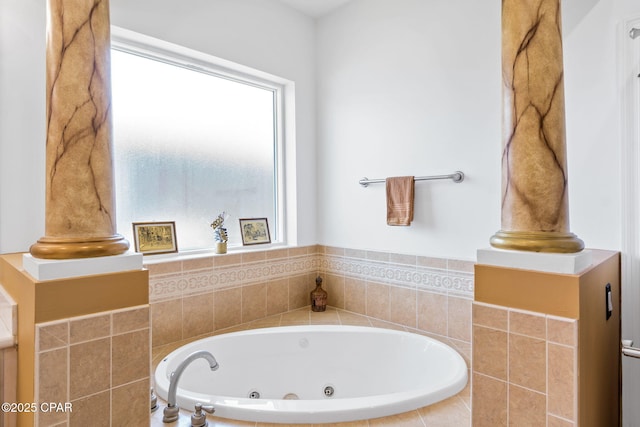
pixel 630 351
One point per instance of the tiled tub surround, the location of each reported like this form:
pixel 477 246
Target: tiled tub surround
pixel 8 383
pixel 452 412
pixel 545 349
pixel 196 297
pixel 100 364
pixel 199 296
pixel 429 294
pixel 527 363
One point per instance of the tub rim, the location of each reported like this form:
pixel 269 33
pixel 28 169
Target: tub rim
pixel 316 410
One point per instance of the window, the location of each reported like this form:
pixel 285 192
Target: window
pixel 193 139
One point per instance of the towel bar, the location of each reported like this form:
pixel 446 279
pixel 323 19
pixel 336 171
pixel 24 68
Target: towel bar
pixel 456 177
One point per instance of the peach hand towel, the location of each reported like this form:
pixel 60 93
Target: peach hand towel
pixel 400 200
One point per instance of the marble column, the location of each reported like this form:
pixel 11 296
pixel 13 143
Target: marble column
pixel 535 212
pixel 80 200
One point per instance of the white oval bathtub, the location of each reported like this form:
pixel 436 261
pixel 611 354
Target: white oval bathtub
pixel 373 373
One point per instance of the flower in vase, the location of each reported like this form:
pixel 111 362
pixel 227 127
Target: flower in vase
pixel 219 232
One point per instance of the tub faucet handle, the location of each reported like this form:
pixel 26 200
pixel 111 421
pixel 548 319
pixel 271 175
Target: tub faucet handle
pixel 198 419
pixel 154 400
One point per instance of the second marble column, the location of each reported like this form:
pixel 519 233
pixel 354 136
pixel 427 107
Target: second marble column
pixel 535 212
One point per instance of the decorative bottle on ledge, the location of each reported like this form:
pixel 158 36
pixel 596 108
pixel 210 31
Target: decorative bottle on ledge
pixel 318 297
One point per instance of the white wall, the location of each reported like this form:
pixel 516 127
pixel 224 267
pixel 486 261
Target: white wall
pixel 22 123
pixel 592 111
pixel 262 34
pixel 412 87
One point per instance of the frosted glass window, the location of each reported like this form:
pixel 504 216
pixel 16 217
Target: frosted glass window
pixel 190 144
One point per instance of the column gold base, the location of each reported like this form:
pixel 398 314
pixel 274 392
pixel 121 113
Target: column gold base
pixel 71 248
pixel 537 241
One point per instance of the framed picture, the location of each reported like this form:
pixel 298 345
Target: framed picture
pixel 254 231
pixel 155 237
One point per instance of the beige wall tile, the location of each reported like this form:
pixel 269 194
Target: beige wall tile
pixel 166 321
pixel 527 362
pixel 562 381
pixel 227 308
pixel 81 371
pixel 227 260
pixel 90 368
pixel 130 320
pixel 562 331
pixel 355 295
pixel 130 404
pixel 277 296
pixel 296 317
pixel 451 412
pixel 197 317
pixel 204 263
pixel 265 322
pixel 464 348
pixel 460 265
pixel 299 289
pixel 402 259
pixel 403 305
pixel 378 301
pixel 490 352
pixel 163 268
pixel 277 253
pixel 490 316
pixel 355 253
pixel 347 318
pixel 254 302
pixel 378 256
pixel 52 335
pixel 431 262
pixel 327 317
pixel 459 318
pixel 302 250
pixel 489 402
pixel 256 256
pixel 530 324
pixel 91 411
pixel 334 285
pixel 331 250
pixel 432 312
pixel 130 357
pixel 377 323
pixel 52 383
pixel 88 328
pixel 407 419
pixel 527 408
pixel 9 380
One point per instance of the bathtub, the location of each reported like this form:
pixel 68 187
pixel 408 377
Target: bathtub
pixel 315 374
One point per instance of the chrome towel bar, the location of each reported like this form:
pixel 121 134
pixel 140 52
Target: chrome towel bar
pixel 456 177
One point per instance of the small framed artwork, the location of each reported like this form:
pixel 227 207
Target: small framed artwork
pixel 254 231
pixel 155 237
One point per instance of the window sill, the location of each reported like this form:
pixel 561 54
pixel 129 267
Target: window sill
pixel 206 253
